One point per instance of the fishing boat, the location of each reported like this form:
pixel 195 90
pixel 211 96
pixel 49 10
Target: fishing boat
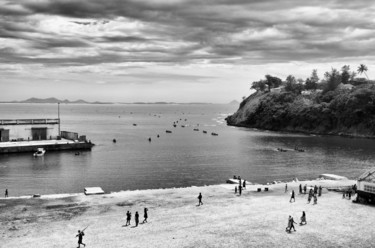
pixel 168 131
pixel 196 129
pixel 214 134
pixel 204 131
pixel 40 152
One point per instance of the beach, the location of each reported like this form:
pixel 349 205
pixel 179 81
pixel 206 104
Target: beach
pixel 254 219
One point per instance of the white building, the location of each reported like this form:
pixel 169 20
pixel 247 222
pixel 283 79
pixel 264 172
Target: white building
pixel 29 129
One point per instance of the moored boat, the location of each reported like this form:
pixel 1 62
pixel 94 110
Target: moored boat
pixel 40 152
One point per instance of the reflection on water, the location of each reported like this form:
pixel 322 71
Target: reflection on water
pixel 178 159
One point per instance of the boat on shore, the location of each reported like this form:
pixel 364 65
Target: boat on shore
pixel 40 152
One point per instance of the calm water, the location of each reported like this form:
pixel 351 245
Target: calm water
pixel 179 159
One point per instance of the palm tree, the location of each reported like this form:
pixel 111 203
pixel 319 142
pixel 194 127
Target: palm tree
pixel 362 69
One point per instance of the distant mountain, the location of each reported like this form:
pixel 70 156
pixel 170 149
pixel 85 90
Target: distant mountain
pixel 234 102
pixel 55 100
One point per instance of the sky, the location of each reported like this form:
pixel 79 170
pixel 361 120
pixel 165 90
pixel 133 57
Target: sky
pixel 175 50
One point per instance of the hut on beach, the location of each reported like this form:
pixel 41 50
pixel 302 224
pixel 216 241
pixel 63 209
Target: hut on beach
pixel 366 187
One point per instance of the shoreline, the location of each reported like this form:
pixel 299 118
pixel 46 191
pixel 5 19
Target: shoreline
pixel 332 134
pixel 254 219
pixel 253 186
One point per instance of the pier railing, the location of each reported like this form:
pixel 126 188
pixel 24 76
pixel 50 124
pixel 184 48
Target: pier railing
pixel 29 121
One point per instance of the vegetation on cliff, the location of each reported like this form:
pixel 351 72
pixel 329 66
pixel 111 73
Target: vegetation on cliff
pixel 339 104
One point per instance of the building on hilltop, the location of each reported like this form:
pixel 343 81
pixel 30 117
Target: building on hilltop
pixel 366 187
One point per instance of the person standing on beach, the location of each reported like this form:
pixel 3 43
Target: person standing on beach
pixel 320 191
pixel 136 218
pixel 304 189
pixel 300 188
pixel 244 184
pixel 128 218
pixel 80 237
pixel 200 199
pixel 240 189
pixel 6 193
pixel 145 215
pixel 315 200
pixel 303 219
pixel 235 190
pixel 292 197
pixel 286 188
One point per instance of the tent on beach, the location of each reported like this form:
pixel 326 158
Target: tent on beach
pixel 366 186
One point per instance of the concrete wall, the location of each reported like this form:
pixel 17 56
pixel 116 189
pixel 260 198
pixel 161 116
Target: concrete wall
pixel 23 131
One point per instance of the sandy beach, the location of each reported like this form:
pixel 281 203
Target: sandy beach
pixel 254 219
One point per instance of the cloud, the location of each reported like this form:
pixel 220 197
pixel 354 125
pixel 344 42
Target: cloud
pixel 60 32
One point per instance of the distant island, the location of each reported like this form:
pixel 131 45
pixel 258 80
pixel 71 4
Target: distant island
pixel 55 100
pixel 340 104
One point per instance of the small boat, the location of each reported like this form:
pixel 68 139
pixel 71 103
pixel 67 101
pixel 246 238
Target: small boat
pixel 168 131
pixel 214 134
pixel 134 124
pixel 299 149
pixel 182 125
pixel 196 129
pixel 281 150
pixel 204 131
pixel 40 152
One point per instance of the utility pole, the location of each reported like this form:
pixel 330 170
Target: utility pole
pixel 58 115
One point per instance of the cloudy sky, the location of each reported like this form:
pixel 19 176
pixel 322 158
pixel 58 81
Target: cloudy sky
pixel 174 50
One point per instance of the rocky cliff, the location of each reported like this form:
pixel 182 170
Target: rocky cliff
pixel 340 112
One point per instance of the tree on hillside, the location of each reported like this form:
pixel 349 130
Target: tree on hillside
pixel 345 74
pixel 333 79
pixel 291 85
pixel 272 82
pixel 362 69
pixel 258 85
pixel 314 76
pixel 310 84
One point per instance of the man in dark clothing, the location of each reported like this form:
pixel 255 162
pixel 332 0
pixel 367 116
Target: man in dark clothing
pixel 300 188
pixel 304 189
pixel 240 190
pixel 80 237
pixel 292 197
pixel 200 199
pixel 136 218
pixel 145 215
pixel 6 193
pixel 320 191
pixel 128 218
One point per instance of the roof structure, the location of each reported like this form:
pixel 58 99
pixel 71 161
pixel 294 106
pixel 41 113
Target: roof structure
pixel 368 176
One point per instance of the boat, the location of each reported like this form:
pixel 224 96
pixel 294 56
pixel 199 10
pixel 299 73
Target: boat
pixel 204 131
pixel 168 131
pixel 196 129
pixel 281 150
pixel 214 134
pixel 40 152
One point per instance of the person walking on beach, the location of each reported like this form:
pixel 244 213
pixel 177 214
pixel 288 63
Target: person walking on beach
pixel 350 194
pixel 145 215
pixel 240 189
pixel 80 237
pixel 136 218
pixel 320 191
pixel 303 219
pixel 304 189
pixel 244 184
pixel 200 199
pixel 309 199
pixel 300 188
pixel 286 188
pixel 6 193
pixel 128 218
pixel 291 224
pixel 235 190
pixel 292 197
pixel 315 200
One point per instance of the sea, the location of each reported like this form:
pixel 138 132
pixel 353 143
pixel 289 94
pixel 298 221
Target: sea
pixel 182 158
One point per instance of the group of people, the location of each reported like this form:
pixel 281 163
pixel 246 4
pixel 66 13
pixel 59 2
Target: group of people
pixel 241 185
pixel 136 217
pixel 291 222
